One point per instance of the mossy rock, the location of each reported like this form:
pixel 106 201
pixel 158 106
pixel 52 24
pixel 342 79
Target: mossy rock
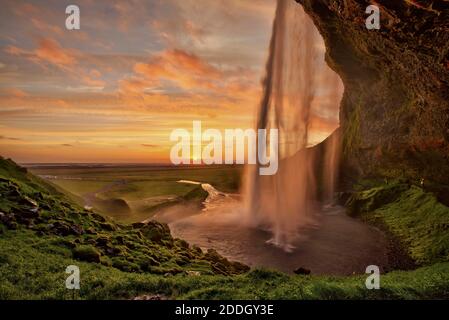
pixel 197 250
pixel 372 199
pixel 148 264
pixel 86 253
pixel 156 232
pixel 182 243
pixel 125 265
pixel 108 226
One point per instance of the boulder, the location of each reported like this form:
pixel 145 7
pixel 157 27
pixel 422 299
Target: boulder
pixel 156 231
pixel 86 253
pixel 302 271
pixel 64 229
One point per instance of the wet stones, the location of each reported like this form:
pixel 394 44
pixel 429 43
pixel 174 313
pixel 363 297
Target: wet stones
pixel 302 271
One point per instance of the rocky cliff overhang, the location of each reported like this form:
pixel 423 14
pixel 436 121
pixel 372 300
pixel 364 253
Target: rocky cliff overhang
pixel 395 111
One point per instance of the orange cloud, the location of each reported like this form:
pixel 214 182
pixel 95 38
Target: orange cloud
pixel 185 69
pixel 44 27
pixel 47 51
pixel 191 62
pixel 14 93
pixel 50 51
pixel 189 71
pixel 15 51
pixel 27 10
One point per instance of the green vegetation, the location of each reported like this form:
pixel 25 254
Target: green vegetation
pixel 411 214
pixel 224 178
pixel 80 187
pixel 34 268
pixel 35 209
pixel 42 232
pixel 132 194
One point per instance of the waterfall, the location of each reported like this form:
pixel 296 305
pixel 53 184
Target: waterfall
pixel 297 87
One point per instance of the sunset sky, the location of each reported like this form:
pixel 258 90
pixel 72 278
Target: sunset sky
pixel 115 89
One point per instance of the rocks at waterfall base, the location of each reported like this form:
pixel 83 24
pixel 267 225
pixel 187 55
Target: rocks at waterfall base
pixel 302 271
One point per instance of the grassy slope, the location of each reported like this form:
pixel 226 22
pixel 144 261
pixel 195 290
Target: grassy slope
pixel 411 214
pixel 33 258
pixel 38 211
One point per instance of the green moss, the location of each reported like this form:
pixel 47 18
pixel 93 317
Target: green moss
pixel 86 253
pixel 412 215
pixel 371 199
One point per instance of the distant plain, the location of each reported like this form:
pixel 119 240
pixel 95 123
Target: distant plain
pixel 131 193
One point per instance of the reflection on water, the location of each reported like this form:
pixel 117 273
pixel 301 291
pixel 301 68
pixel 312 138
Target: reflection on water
pixel 331 243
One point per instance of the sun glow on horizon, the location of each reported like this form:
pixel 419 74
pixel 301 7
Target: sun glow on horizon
pixel 115 89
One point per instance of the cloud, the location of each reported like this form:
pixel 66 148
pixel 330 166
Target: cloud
pixel 185 69
pixel 190 73
pixel 27 10
pixel 179 30
pixel 46 28
pixel 50 51
pixel 10 138
pixel 15 51
pixel 13 93
pixel 146 67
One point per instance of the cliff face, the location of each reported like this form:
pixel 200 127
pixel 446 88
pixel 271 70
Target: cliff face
pixel 395 111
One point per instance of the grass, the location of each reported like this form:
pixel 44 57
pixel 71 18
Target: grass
pixel 224 178
pixel 119 261
pixel 32 268
pixel 37 211
pixel 80 187
pixel 145 189
pixel 410 213
pixel 137 190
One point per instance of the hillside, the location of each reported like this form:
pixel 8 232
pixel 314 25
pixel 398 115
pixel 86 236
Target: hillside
pixel 42 232
pixel 31 205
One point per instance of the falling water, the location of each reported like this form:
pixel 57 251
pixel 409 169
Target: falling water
pixel 298 88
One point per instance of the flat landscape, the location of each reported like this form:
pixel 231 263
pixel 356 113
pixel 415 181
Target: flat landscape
pixel 132 193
